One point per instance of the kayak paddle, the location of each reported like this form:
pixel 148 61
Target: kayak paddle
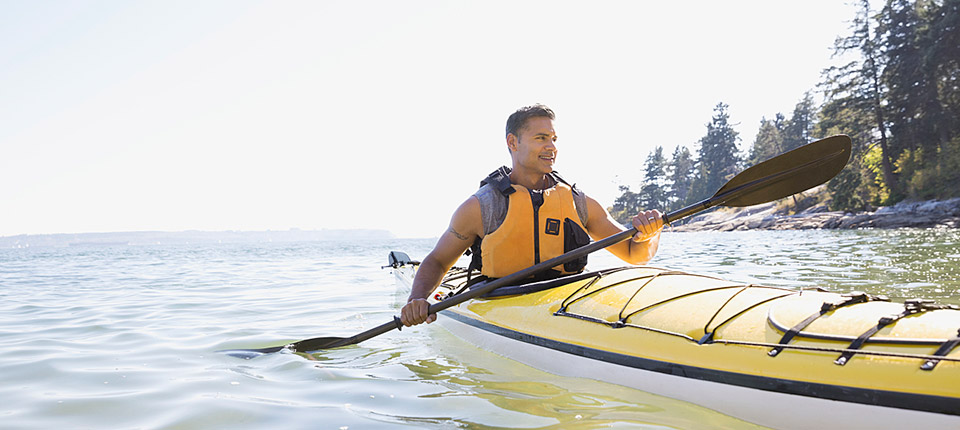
pixel 784 175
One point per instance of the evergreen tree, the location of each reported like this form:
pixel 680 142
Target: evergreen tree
pixel 858 183
pixel 719 157
pixel 857 86
pixel 912 94
pixel 653 193
pixel 625 206
pixel 679 176
pixel 944 57
pixel 799 127
pixel 921 125
pixel 769 141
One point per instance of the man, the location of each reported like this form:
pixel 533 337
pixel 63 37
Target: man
pixel 525 215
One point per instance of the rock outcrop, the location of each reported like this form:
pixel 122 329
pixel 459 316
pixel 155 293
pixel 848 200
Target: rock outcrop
pixel 925 214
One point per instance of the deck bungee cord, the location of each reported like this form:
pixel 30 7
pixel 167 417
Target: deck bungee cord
pixel 585 291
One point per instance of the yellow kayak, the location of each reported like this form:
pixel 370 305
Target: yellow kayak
pixel 777 357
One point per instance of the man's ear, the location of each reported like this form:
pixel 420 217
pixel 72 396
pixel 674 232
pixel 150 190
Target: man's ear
pixel 511 142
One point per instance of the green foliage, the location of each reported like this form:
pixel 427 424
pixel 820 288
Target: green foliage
pixel 932 181
pixel 844 189
pixel 625 206
pixel 653 193
pixel 719 157
pixel 876 190
pixel 769 141
pixel 799 129
pixel 900 101
pixel 680 177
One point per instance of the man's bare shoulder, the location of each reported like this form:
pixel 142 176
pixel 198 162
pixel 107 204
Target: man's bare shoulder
pixel 594 209
pixel 467 223
pixel 599 222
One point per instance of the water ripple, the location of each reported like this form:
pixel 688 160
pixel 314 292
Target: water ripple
pixel 125 337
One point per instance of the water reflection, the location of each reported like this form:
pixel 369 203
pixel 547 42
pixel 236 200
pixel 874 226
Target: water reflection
pixel 479 390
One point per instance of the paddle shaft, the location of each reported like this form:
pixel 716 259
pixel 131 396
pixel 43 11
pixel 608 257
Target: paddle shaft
pixel 716 200
pixel 807 166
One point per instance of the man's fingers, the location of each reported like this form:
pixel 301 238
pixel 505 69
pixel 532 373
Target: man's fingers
pixel 416 312
pixel 647 223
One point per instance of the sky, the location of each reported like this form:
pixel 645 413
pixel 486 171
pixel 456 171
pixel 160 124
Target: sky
pixel 257 115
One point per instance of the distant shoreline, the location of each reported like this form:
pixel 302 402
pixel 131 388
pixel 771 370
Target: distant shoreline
pixel 61 240
pixel 923 214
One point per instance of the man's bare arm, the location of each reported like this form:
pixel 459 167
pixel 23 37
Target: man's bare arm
pixel 465 226
pixel 641 248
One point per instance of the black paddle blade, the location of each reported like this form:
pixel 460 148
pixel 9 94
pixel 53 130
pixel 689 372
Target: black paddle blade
pixel 790 173
pixel 308 345
pixel 247 354
pixel 319 343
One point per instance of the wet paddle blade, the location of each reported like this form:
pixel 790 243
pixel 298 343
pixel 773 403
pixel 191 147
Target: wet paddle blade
pixel 319 343
pixel 247 354
pixel 308 345
pixel 790 173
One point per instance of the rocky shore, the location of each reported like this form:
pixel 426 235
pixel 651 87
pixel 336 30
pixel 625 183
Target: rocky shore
pixel 924 214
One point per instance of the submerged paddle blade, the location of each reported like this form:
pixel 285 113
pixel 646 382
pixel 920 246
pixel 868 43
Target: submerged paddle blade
pixel 308 345
pixel 319 343
pixel 247 354
pixel 787 174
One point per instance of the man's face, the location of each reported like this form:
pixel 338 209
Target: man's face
pixel 535 149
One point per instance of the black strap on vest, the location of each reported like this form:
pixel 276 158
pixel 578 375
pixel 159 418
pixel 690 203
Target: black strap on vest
pixel 851 298
pixel 944 349
pixel 911 307
pixel 500 179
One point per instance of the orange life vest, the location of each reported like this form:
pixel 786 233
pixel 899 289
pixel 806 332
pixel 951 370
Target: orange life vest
pixel 531 233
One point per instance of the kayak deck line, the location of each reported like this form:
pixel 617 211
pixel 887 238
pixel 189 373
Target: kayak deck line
pixel 841 350
pixel 618 324
pixel 913 307
pixel 622 319
pixel 584 292
pixel 846 300
pixel 836 337
pixel 894 399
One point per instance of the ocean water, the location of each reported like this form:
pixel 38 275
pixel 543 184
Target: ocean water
pixel 126 337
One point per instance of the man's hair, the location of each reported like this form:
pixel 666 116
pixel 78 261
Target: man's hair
pixel 518 119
